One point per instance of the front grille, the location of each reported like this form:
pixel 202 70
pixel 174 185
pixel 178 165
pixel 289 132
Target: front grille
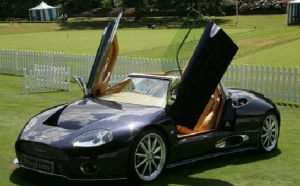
pixel 43 151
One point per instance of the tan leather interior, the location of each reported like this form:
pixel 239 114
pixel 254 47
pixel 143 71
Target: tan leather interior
pixel 221 108
pixel 209 121
pixel 104 75
pixel 210 116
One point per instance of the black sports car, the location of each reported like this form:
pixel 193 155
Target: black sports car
pixel 147 122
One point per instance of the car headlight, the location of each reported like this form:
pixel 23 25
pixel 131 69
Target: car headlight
pixel 93 138
pixel 30 124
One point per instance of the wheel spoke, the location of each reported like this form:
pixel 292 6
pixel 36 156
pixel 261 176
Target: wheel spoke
pixel 273 136
pixel 157 157
pixel 157 150
pixel 144 147
pixel 140 155
pixel 273 124
pixel 265 141
pixel 150 168
pixel 145 168
pixel 143 162
pixel 266 123
pixel 149 143
pixel 265 129
pixel 270 141
pixel 270 123
pixel 154 164
pixel 154 144
pixel 264 135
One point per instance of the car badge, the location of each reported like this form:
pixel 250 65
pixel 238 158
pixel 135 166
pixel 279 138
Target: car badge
pixel 39 150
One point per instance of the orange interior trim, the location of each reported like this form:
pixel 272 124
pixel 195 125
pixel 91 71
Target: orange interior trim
pixel 104 76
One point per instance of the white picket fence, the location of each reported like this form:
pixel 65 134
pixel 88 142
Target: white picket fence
pixel 278 83
pixel 14 61
pixel 46 78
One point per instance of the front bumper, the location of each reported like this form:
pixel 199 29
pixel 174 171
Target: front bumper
pixel 79 178
pixel 105 166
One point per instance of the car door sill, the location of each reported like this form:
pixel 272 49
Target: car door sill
pixel 192 160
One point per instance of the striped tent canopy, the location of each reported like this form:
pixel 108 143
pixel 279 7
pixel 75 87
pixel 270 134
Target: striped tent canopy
pixel 43 12
pixel 293 12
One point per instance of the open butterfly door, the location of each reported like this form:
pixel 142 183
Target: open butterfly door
pixel 204 71
pixel 105 60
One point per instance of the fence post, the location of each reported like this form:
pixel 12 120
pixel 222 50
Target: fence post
pixel 278 82
pixel 284 83
pixel 16 63
pixel 295 84
pixel 252 77
pixel 134 62
pixel 273 83
pixel 257 77
pixel 289 91
pixel 267 80
pixel 232 75
pixel 24 81
pixel 242 78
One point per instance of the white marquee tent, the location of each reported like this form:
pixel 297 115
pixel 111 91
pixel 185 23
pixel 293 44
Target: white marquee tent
pixel 293 12
pixel 43 12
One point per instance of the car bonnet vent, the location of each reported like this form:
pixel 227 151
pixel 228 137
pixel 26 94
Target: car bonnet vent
pixel 53 119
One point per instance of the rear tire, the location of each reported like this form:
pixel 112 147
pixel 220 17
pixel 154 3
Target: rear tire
pixel 269 133
pixel 147 156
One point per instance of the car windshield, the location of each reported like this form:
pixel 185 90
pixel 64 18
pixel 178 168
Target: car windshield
pixel 149 91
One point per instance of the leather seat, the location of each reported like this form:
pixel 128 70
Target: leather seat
pixel 207 119
pixel 210 119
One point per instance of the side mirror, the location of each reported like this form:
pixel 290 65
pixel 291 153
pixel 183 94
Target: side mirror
pixel 82 85
pixel 171 97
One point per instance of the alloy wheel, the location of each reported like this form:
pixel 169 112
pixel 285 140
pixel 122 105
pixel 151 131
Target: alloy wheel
pixel 150 156
pixel 269 133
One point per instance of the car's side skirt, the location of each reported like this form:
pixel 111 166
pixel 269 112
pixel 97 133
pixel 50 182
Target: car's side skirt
pixel 192 160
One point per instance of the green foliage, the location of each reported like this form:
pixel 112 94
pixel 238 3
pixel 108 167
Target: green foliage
pixel 14 8
pixel 107 3
pixel 263 6
pixel 228 7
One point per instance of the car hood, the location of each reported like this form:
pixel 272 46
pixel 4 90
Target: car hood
pixel 66 122
pixel 102 114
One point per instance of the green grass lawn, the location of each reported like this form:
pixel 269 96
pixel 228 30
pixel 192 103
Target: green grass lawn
pixel 247 168
pixel 281 55
pixel 264 40
pixel 253 34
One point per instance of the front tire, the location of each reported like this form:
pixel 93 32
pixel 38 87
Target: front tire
pixel 148 156
pixel 269 133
